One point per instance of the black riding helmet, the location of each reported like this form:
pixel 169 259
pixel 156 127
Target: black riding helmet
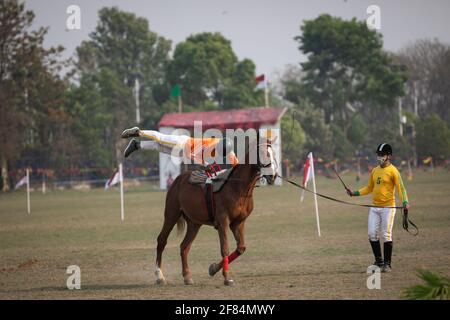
pixel 384 149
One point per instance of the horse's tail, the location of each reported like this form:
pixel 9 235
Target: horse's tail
pixel 181 223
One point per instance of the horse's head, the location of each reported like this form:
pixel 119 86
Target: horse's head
pixel 267 162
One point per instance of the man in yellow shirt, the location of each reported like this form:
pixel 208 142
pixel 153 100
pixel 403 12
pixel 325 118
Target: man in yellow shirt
pixel 382 182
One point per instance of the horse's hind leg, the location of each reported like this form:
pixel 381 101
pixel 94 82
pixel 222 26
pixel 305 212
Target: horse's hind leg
pixel 169 222
pixel 191 233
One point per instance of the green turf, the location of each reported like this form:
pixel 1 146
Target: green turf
pixel 285 259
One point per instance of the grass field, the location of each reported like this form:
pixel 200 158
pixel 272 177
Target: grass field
pixel 285 259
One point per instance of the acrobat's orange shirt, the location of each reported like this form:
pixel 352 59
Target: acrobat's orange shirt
pixel 199 149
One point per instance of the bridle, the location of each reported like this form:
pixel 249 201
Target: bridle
pixel 261 166
pixel 259 163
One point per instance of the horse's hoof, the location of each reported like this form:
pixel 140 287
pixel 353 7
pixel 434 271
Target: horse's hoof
pixel 229 282
pixel 161 282
pixel 213 269
pixel 188 281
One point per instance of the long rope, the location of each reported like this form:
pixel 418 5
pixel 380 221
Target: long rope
pixel 406 220
pixel 405 217
pixel 334 199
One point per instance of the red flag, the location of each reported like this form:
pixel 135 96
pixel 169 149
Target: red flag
pixel 260 78
pixel 260 82
pixel 307 169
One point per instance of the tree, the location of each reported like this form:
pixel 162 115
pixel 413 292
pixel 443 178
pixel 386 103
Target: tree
pixel 31 94
pixel 121 50
pixel 319 137
pixel 294 137
pixel 347 68
pixel 428 67
pixel 241 89
pixel 202 65
pixel 433 137
pixel 208 70
pixel 124 43
pixel 440 83
pixel 87 106
pixel 342 148
pixel 357 131
pixel 289 84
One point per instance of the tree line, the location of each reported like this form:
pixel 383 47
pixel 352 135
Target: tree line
pixel 350 94
pixel 343 100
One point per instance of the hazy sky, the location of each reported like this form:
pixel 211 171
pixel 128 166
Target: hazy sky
pixel 262 30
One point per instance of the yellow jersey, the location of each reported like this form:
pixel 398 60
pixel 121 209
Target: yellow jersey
pixel 381 184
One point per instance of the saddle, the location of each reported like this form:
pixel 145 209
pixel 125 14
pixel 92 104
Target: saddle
pixel 211 184
pixel 202 178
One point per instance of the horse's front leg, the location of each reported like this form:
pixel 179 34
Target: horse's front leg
pixel 238 232
pixel 225 252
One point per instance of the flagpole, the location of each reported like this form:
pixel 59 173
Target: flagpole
pixel 28 191
pixel 122 215
pixel 136 99
pixel 266 93
pixel 315 193
pixel 180 105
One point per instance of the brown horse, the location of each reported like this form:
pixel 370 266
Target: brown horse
pixel 234 203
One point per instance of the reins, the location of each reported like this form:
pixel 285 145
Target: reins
pixel 406 220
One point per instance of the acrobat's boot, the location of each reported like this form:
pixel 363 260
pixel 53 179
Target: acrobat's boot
pixel 132 146
pixel 387 256
pixel 130 133
pixel 376 249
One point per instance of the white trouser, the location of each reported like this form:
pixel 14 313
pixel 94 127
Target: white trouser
pixel 167 143
pixel 381 221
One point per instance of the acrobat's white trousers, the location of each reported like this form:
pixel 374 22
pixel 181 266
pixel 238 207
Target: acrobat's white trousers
pixel 163 142
pixel 381 221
